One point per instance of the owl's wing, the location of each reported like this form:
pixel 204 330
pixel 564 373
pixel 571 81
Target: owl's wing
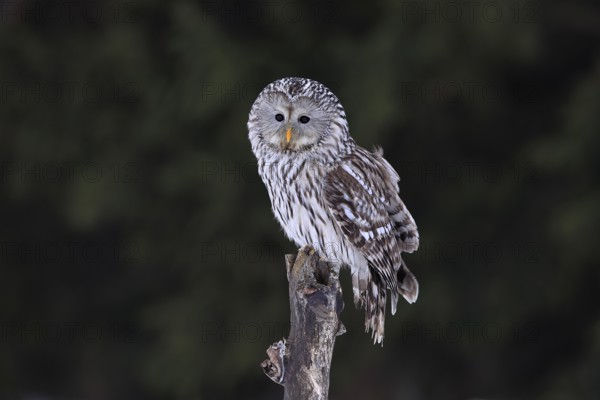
pixel 362 195
pixel 405 228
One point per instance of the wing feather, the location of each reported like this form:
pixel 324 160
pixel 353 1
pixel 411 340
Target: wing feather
pixel 362 195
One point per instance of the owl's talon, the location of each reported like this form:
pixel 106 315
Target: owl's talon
pixel 307 249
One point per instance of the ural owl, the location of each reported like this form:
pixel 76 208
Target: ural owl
pixel 328 192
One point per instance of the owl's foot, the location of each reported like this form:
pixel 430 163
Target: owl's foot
pixel 308 249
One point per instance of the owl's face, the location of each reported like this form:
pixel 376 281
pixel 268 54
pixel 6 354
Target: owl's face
pixel 289 116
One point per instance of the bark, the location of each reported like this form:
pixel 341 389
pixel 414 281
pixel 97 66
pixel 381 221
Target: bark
pixel 302 362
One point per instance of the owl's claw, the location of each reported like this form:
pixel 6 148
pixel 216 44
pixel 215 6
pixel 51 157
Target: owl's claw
pixel 307 249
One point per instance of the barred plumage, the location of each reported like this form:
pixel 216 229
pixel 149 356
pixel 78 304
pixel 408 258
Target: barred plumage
pixel 328 192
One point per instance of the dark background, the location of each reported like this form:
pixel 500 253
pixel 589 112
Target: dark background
pixel 139 258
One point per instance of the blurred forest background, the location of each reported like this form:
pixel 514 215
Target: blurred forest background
pixel 139 258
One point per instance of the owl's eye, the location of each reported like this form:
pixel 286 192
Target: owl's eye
pixel 303 119
pixel 279 117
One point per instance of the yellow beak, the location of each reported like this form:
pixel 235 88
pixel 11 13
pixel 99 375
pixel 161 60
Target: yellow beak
pixel 288 135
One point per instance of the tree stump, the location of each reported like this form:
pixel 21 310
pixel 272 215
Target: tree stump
pixel 302 362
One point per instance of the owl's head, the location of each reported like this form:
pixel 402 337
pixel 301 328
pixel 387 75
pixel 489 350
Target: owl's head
pixel 294 114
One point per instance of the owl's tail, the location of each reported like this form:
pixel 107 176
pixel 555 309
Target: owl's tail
pixel 370 293
pixel 374 304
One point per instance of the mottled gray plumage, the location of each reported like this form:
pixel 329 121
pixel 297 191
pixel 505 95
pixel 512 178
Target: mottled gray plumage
pixel 329 192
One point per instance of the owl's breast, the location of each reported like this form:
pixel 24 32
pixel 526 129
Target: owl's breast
pixel 296 192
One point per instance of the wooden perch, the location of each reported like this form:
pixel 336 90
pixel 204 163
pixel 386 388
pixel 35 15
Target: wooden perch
pixel 302 362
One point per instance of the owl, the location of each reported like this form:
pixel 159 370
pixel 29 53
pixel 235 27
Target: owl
pixel 328 192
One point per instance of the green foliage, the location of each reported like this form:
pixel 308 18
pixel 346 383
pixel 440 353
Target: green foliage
pixel 131 206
